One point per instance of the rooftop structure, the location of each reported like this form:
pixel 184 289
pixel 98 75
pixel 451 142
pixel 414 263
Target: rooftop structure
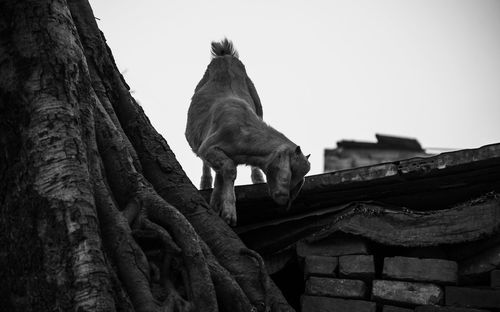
pixel 351 154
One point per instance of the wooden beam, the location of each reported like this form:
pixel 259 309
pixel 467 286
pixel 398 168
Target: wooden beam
pixel 464 223
pixel 473 220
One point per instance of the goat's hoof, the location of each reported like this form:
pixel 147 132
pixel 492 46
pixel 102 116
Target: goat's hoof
pixel 257 177
pixel 258 181
pixel 228 214
pixel 225 208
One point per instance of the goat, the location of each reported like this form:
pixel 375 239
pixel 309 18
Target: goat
pixel 225 129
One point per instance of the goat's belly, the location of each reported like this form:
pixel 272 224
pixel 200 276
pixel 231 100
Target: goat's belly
pixel 239 160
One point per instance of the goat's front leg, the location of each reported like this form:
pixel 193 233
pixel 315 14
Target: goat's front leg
pixel 223 199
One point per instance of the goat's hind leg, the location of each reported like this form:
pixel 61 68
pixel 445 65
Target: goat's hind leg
pixel 257 176
pixel 206 177
pixel 223 199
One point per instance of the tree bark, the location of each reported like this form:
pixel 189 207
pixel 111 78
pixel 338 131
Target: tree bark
pixel 96 212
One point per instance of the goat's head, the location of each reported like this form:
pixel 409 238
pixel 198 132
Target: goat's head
pixel 285 174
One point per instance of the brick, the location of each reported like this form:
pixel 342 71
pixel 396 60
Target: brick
pixel 468 250
pixel 325 304
pixel 495 278
pixel 472 297
pixel 335 287
pixel 320 266
pixel 420 270
pixel 406 292
pixel 431 308
pixel 357 266
pixel 478 267
pixel 388 308
pixel 333 247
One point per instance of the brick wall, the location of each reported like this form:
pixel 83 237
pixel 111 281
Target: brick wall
pixel 347 274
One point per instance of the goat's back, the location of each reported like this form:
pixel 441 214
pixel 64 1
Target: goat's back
pixel 225 81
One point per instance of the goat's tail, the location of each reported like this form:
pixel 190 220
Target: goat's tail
pixel 224 47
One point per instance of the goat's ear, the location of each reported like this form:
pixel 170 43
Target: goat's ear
pixel 307 157
pixel 298 151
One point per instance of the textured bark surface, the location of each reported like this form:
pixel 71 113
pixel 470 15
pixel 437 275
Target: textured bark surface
pixel 96 214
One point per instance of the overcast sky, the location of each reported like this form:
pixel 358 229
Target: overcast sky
pixel 325 70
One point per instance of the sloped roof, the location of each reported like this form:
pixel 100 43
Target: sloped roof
pixel 398 190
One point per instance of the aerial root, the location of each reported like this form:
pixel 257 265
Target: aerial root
pixel 182 246
pixel 135 267
pixel 148 228
pixel 264 277
pixel 229 293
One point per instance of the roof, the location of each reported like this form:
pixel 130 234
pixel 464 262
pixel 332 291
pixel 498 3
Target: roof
pixel 410 187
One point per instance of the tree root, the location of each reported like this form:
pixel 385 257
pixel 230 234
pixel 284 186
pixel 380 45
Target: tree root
pixel 200 288
pixel 264 277
pixel 229 294
pixel 133 267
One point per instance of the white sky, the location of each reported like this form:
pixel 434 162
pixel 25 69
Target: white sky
pixel 325 70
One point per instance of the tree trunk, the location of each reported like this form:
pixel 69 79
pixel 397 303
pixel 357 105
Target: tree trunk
pixel 96 212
